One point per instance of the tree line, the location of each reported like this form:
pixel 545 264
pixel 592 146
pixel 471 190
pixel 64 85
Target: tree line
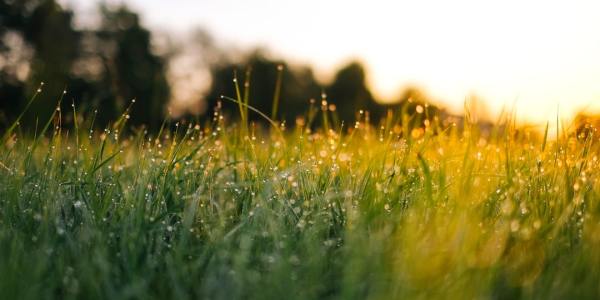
pixel 105 67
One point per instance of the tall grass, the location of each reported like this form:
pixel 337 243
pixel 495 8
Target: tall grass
pixel 224 211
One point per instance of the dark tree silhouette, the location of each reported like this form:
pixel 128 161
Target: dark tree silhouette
pixel 298 86
pixel 56 46
pixel 349 92
pixel 106 67
pixel 101 68
pixel 130 69
pixel 43 28
pixel 416 107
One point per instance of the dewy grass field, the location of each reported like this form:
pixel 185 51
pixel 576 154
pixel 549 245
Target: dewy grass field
pixel 236 210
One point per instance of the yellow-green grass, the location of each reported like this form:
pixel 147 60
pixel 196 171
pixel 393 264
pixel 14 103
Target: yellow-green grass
pixel 228 210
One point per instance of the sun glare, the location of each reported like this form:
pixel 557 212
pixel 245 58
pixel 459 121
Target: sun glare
pixel 538 57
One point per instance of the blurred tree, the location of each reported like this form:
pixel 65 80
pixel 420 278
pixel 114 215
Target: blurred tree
pixel 14 66
pixel 56 44
pixel 38 44
pixel 130 69
pixel 416 106
pixel 108 66
pixel 189 71
pixel 349 92
pixel 298 86
pixel 105 67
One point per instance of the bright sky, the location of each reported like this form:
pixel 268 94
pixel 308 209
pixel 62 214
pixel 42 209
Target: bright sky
pixel 535 55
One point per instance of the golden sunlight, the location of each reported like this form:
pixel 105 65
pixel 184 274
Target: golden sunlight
pixel 538 57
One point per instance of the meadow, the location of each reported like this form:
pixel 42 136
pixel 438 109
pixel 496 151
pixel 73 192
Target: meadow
pixel 239 210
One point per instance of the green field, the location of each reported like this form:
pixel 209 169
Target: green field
pixel 239 210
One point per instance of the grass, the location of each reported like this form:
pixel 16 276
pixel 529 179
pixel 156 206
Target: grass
pixel 229 211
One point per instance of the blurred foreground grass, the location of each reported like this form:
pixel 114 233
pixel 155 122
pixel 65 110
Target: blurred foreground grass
pixel 227 211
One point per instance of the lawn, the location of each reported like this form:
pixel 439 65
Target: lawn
pixel 230 209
